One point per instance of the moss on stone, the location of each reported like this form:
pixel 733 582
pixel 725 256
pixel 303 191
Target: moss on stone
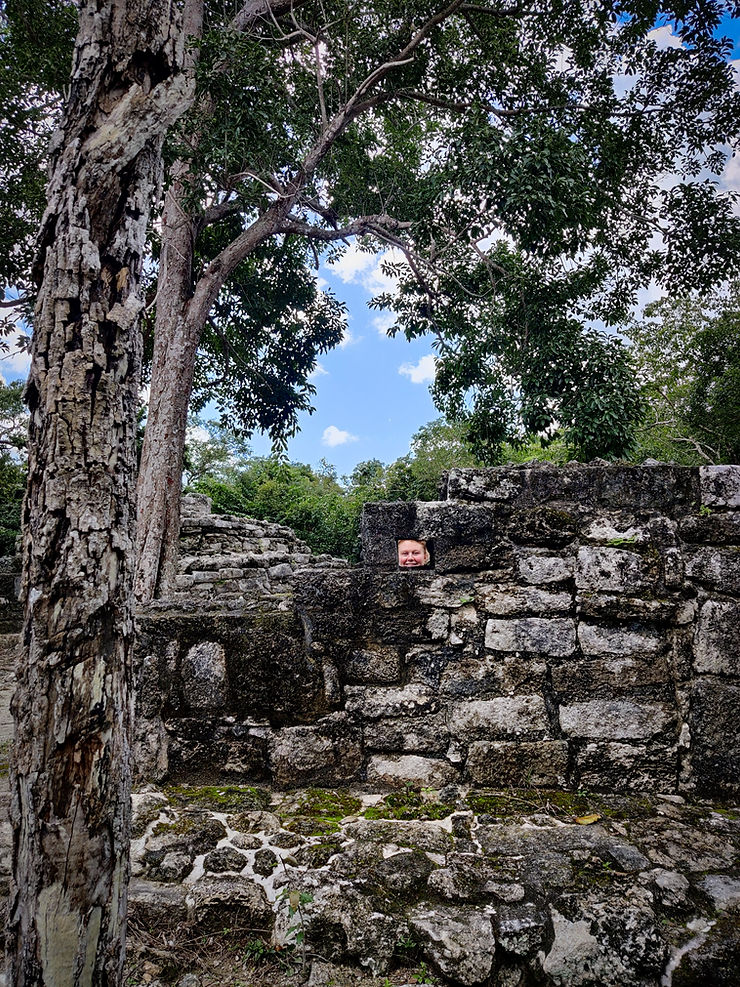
pixel 220 798
pixel 318 811
pixel 559 803
pixel 327 803
pixel 182 826
pixel 408 803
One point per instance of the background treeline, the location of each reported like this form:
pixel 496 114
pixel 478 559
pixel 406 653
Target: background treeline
pixel 685 358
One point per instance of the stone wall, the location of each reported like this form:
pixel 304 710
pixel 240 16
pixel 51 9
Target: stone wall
pixel 228 560
pixel 577 627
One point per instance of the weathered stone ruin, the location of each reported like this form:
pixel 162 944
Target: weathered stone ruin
pixel 513 767
pixel 577 627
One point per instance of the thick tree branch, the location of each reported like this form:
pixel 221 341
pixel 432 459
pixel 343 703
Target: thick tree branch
pixel 259 10
pixel 363 224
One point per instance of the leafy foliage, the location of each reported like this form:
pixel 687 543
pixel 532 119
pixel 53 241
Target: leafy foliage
pixel 688 352
pixel 36 41
pixel 515 160
pixel 322 511
pixel 13 429
pixel 260 345
pixel 523 368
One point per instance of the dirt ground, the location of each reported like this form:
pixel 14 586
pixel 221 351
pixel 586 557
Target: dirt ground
pixel 240 958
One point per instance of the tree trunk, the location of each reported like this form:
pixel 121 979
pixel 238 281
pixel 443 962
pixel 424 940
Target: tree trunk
pixel 173 362
pixel 70 776
pixel 181 316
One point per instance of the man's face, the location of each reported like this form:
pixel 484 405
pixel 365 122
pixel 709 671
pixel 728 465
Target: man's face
pixel 411 553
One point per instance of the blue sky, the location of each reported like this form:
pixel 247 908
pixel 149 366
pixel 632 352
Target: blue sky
pixel 373 391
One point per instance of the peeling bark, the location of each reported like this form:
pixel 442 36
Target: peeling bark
pixel 70 777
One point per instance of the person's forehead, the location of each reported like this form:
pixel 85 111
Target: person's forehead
pixel 406 542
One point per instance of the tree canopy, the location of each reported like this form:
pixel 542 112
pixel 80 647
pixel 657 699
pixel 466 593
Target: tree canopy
pixel 688 353
pixel 528 167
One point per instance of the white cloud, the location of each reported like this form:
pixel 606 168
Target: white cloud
pixel 356 266
pixel 348 339
pixel 665 38
pixel 334 436
pixel 196 433
pixel 376 279
pixel 318 371
pixel 352 263
pixel 383 322
pixel 16 362
pixel 421 372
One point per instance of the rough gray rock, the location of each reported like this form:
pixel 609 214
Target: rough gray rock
pixel 459 941
pixel 215 903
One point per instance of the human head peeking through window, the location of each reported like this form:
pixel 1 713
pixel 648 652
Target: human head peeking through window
pixel 412 553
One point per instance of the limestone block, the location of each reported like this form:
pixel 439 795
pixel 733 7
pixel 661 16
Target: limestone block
pixel 459 940
pixel 420 734
pixel 204 575
pixel 618 719
pixel 438 625
pixel 222 902
pixel 619 607
pixel 720 486
pixel 329 751
pixel 501 763
pixel 194 506
pixel 507 716
pixel 672 888
pixel 716 528
pixel 611 676
pixel 374 703
pixel 715 741
pixel 472 675
pixel 410 769
pixel 376 663
pixel 609 766
pixel 447 591
pixel 463 624
pixel 673 568
pixel 597 640
pixel 555 636
pixel 473 553
pixel 485 485
pixel 517 601
pixel 717 639
pixel 204 676
pixel 614 569
pixel 522 929
pixel 724 891
pixel 537 568
pixel 606 941
pixel 425 663
pixel 613 527
pixel 718 568
pixel 543 525
pixel 155 905
pixel 283 570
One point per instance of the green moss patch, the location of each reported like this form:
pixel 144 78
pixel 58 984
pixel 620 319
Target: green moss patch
pixel 220 798
pixel 409 803
pixel 318 811
pixel 561 804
